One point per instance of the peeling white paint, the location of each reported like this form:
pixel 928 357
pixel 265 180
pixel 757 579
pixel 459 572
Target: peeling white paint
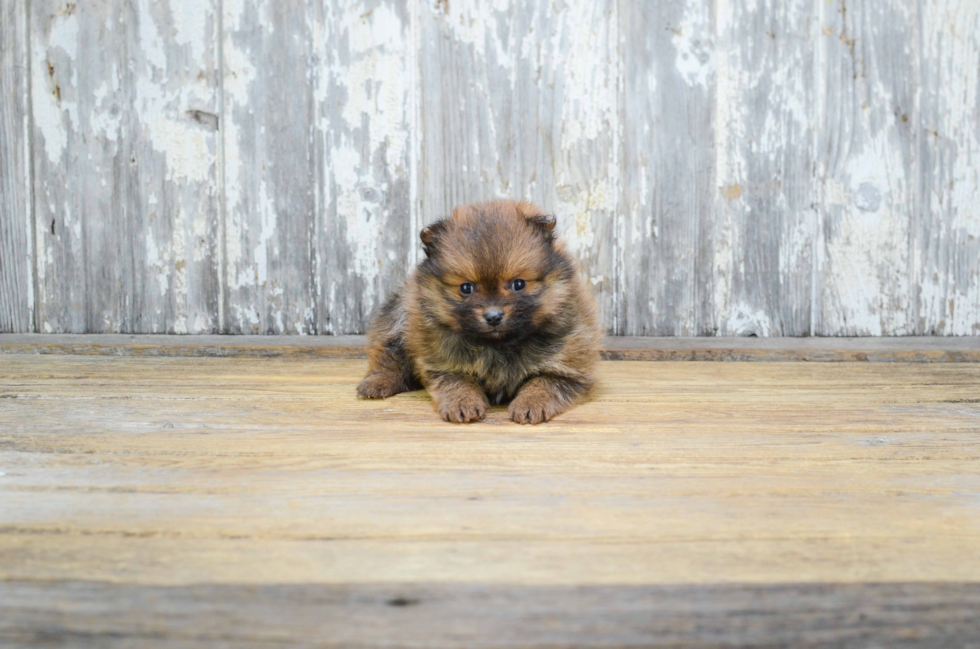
pixel 376 78
pixel 868 261
pixel 946 253
pixel 469 20
pixel 156 263
pixel 896 197
pixel 188 153
pixel 585 207
pixel 729 167
pixel 694 44
pixel 64 34
pixel 240 74
pixel 122 110
pixel 190 27
pixel 201 323
pixel 240 70
pixel 49 108
pixel 589 100
pixel 745 320
pixel 153 49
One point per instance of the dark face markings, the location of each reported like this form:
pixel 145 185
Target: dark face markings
pixel 495 277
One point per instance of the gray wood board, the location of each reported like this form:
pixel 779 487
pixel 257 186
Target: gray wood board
pixel 317 162
pixel 763 224
pixel 16 242
pixel 720 168
pixel 104 615
pixel 519 99
pixel 866 167
pixel 668 168
pixel 269 181
pixel 365 158
pixel 125 102
pixel 946 223
pixel 877 349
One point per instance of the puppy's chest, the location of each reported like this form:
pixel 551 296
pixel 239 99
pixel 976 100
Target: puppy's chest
pixel 500 374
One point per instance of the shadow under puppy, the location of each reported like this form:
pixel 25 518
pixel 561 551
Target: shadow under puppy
pixel 495 313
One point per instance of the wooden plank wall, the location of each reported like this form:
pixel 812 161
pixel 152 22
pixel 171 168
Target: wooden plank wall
pixel 807 167
pixel 16 272
pixel 125 155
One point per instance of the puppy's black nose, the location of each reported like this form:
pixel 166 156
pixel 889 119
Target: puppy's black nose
pixel 493 317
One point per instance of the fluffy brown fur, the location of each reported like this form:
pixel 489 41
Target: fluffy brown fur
pixel 495 340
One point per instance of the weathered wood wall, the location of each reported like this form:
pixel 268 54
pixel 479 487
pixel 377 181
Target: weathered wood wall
pixel 16 272
pixel 798 167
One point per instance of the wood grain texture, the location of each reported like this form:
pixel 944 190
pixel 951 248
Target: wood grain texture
pixel 178 502
pixel 906 349
pixel 668 184
pixel 946 235
pixel 763 226
pixel 270 184
pixel 259 471
pixel 364 89
pixel 124 102
pixel 438 616
pixel 317 158
pixel 720 168
pixel 16 241
pixel 519 99
pixel 867 165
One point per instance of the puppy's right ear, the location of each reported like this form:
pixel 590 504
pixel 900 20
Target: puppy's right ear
pixel 430 235
pixel 546 221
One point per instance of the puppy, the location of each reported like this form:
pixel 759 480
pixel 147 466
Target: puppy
pixel 495 313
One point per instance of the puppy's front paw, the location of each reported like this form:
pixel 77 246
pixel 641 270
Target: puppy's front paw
pixel 380 385
pixel 463 408
pixel 534 408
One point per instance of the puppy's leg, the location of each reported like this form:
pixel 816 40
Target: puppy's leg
pixel 391 372
pixel 543 397
pixel 456 398
pixel 390 366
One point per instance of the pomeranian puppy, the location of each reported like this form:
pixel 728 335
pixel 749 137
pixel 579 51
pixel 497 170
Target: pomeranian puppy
pixel 495 313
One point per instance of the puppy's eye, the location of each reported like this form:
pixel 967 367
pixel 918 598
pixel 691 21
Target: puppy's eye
pixel 466 289
pixel 518 285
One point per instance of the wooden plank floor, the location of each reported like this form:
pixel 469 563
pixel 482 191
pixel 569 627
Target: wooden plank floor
pixel 255 502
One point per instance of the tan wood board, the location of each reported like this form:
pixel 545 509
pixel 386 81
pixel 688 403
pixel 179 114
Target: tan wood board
pixel 177 471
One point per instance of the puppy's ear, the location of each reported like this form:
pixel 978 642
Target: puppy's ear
pixel 536 216
pixel 545 221
pixel 430 235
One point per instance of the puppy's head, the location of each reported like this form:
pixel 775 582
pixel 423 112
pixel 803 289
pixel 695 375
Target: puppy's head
pixel 493 271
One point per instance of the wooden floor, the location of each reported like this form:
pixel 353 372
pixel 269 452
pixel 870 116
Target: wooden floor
pixel 255 502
